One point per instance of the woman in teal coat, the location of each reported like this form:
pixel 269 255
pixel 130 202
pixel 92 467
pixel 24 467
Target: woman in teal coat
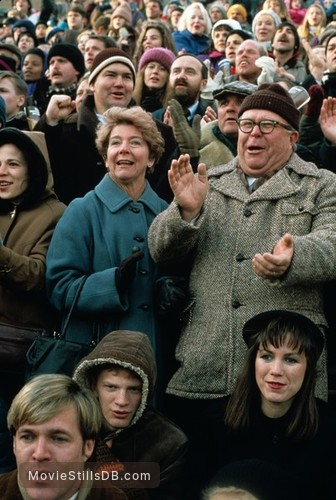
pixel 102 237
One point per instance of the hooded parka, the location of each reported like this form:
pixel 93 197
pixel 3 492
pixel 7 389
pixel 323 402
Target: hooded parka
pixel 150 437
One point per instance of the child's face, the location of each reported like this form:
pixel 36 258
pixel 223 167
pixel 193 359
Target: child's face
pixel 296 4
pixel 274 5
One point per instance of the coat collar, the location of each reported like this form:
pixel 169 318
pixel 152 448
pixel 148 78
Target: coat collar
pixel 116 198
pixel 226 179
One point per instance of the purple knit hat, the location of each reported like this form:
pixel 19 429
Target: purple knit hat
pixel 163 56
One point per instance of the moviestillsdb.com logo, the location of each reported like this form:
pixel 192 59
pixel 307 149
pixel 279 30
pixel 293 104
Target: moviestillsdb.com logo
pixel 121 474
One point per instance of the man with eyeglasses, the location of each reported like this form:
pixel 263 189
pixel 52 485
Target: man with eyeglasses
pixel 259 233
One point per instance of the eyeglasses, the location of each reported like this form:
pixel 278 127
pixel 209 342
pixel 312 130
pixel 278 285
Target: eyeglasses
pixel 265 126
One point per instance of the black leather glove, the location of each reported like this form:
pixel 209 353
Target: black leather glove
pixel 125 273
pixel 171 294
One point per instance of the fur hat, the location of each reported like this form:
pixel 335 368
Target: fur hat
pixel 273 97
pixel 70 52
pixel 110 56
pixel 237 7
pixel 123 10
pixel 163 56
pixel 254 325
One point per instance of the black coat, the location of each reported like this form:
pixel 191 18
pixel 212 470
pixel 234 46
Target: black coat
pixel 77 166
pixel 311 463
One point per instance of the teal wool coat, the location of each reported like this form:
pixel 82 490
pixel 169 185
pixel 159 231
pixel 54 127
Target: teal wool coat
pixel 94 235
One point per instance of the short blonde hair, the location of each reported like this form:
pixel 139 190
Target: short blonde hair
pixel 182 24
pixel 44 396
pixel 218 493
pixel 137 117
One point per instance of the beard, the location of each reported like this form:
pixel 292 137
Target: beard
pixel 186 97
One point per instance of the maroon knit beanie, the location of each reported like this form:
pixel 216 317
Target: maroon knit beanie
pixel 109 56
pixel 273 97
pixel 165 57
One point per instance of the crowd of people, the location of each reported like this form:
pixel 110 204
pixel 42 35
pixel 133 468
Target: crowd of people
pixel 168 175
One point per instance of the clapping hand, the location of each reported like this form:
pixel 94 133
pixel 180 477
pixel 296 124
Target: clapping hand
pixel 189 189
pixel 273 265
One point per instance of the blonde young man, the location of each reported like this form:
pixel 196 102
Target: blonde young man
pixel 54 425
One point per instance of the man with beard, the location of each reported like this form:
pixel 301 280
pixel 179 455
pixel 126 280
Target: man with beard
pixel 188 77
pixel 286 45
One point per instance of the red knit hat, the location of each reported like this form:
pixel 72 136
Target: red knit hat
pixel 163 56
pixel 109 56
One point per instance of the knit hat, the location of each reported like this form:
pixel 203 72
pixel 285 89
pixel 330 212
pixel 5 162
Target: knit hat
pixel 53 32
pixel 220 7
pixel 7 64
pixel 273 97
pixel 271 13
pixel 123 10
pixel 2 112
pixel 260 321
pixel 24 23
pixel 231 24
pixel 110 56
pixel 163 56
pixel 69 52
pixel 237 8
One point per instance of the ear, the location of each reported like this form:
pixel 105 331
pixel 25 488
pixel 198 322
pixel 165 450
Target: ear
pixel 21 100
pixel 88 448
pixel 294 137
pixel 150 163
pixel 204 83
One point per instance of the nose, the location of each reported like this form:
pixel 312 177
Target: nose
pixel 276 367
pixel 119 81
pixel 256 130
pixel 121 398
pixel 41 450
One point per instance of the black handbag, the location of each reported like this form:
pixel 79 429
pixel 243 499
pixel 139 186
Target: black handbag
pixel 56 354
pixel 14 344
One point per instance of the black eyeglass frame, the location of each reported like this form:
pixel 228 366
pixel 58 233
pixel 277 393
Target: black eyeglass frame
pixel 259 124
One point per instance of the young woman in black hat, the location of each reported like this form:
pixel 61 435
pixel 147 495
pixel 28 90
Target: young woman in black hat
pixel 273 414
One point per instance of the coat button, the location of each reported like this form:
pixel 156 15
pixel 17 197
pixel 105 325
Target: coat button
pixel 143 272
pixel 240 257
pixel 301 208
pixel 136 249
pixel 134 210
pixel 247 212
pixel 139 239
pixel 144 307
pixel 236 304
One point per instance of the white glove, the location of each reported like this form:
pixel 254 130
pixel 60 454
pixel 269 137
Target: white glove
pixel 267 66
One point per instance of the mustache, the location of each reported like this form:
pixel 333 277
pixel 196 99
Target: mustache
pixel 181 80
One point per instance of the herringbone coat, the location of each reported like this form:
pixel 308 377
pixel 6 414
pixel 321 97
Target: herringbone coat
pixel 233 226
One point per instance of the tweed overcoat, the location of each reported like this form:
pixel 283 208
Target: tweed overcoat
pixel 94 235
pixel 232 227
